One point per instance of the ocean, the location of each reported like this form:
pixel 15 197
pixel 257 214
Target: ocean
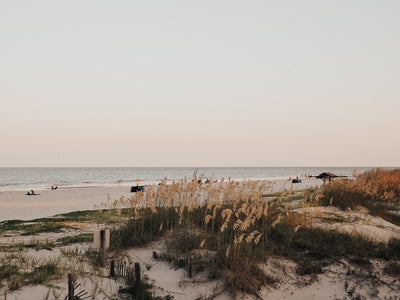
pixel 44 178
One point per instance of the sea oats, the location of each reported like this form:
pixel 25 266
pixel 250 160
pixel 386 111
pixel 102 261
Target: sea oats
pixel 240 239
pixel 246 223
pixel 266 209
pixel 276 221
pixel 257 239
pixel 227 251
pixel 226 213
pixel 207 219
pixel 251 236
pixel 237 224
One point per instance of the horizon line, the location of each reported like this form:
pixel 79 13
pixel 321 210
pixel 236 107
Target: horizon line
pixel 321 166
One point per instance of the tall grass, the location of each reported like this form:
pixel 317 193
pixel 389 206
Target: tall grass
pixel 235 223
pixel 376 185
pixel 378 190
pixel 227 218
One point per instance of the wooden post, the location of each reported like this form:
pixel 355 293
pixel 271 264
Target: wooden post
pixel 71 284
pixel 112 271
pixel 190 267
pixel 102 248
pixel 137 275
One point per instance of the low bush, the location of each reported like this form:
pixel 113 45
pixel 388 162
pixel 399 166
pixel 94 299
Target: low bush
pixel 376 185
pixel 378 190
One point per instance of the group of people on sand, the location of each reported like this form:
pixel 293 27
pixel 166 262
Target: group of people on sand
pixel 33 193
pixel 216 180
pixel 297 177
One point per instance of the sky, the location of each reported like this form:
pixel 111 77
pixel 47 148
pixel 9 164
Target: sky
pixel 199 83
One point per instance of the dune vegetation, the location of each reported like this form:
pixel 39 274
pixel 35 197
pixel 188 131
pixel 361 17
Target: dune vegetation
pixel 240 225
pixel 377 190
pixel 226 231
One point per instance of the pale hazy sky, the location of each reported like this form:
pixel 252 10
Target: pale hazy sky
pixel 199 83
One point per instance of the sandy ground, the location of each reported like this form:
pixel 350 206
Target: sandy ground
pixel 17 205
pixel 341 280
pixel 166 280
pixel 353 222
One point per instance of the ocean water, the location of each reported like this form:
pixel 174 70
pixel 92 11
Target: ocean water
pixel 43 178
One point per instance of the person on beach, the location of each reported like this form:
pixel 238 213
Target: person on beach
pixel 31 193
pixel 138 182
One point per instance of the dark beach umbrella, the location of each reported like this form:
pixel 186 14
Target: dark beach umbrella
pixel 327 175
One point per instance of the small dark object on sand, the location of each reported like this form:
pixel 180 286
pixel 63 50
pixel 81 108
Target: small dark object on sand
pixel 326 175
pixel 135 189
pixel 31 193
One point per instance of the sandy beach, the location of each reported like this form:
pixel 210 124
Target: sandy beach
pixel 17 205
pixel 199 150
pixel 341 278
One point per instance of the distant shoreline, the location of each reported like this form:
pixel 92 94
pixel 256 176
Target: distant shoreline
pixel 24 179
pixel 16 205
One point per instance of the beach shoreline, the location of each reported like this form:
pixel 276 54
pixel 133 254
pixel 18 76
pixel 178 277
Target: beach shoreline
pixel 67 241
pixel 16 205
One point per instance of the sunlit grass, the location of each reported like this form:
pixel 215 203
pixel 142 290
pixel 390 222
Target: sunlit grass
pixel 239 227
pixel 378 190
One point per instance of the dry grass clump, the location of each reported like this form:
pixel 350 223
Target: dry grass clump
pixel 378 190
pixel 238 226
pixel 230 218
pixel 18 270
pixel 375 185
pixel 381 184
